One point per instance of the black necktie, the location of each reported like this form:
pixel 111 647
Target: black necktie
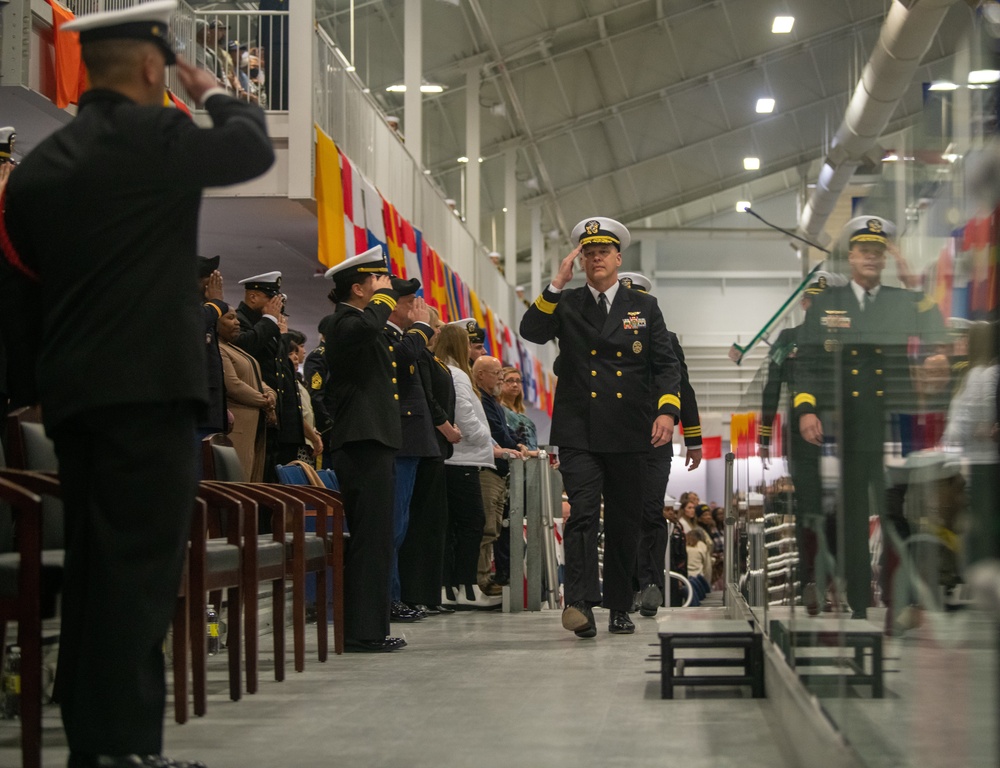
pixel 868 300
pixel 602 302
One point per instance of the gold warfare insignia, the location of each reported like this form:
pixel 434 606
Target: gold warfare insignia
pixel 831 345
pixel 592 227
pixel 627 282
pixel 316 382
pixel 637 347
pixel 874 225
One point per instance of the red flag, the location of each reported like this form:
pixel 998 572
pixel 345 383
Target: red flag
pixel 71 75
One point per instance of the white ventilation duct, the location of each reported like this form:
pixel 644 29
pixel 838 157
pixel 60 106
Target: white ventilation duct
pixel 906 35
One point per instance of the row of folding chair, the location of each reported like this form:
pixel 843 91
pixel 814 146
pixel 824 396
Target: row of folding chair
pixel 226 552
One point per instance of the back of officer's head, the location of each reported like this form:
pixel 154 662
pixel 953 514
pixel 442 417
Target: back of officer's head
pixel 133 67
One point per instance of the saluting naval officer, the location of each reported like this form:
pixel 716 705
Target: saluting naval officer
pixel 366 436
pixel 119 262
pixel 618 395
pixel 854 366
pixel 650 577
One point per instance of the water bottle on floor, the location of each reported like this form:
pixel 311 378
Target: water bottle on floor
pixel 213 631
pixel 10 691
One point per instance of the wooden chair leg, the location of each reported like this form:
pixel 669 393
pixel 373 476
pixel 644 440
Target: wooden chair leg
pixel 180 665
pixel 197 608
pixel 30 640
pixel 278 614
pixel 299 609
pixel 322 637
pixel 251 619
pixel 337 560
pixel 234 642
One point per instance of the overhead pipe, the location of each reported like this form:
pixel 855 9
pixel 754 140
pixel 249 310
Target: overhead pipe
pixel 906 35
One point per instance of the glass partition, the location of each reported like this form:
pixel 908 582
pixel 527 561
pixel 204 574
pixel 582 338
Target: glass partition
pixel 866 451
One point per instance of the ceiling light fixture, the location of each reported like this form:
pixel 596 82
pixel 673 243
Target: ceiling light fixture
pixel 463 159
pixel 942 85
pixel 782 25
pixel 426 88
pixel 742 205
pixel 751 163
pixel 765 106
pixel 981 76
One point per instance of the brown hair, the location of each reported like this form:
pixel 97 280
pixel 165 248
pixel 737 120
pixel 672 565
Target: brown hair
pixel 453 348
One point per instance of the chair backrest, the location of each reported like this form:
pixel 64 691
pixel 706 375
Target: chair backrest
pixel 290 474
pixel 220 461
pixel 6 515
pixel 329 478
pixel 30 448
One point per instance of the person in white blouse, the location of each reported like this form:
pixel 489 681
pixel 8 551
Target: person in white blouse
pixel 971 429
pixel 474 452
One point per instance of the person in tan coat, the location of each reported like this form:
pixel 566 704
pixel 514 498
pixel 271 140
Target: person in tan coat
pixel 251 401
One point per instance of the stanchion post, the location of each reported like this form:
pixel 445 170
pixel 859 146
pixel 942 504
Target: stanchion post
pixel 513 594
pixel 533 514
pixel 554 487
pixel 729 552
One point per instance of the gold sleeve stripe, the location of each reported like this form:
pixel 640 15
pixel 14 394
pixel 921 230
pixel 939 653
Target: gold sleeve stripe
pixel 384 298
pixel 548 307
pixel 765 431
pixel 804 398
pixel 669 400
pixel 692 431
pixel 215 307
pixel 422 334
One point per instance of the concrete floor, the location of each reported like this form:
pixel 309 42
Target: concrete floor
pixel 472 689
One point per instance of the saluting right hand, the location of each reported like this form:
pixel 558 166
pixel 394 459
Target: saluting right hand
pixel 273 306
pixel 419 312
pixel 382 282
pixel 195 81
pixel 565 273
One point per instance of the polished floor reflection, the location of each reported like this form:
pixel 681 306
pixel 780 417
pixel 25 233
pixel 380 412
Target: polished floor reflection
pixel 489 690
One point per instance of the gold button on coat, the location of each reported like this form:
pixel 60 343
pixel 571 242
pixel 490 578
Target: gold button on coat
pixel 593 394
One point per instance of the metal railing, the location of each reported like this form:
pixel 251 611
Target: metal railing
pixel 535 494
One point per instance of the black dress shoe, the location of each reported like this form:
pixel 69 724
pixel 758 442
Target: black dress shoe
pixel 400 612
pixel 579 618
pixel 426 610
pixel 129 761
pixel 651 600
pixel 442 608
pixel 374 646
pixel 620 623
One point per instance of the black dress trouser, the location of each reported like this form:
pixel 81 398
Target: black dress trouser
pixel 366 470
pixel 421 558
pixel 466 521
pixel 653 540
pixel 587 477
pixel 128 477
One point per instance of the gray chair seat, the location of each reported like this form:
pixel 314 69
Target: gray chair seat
pixel 53 561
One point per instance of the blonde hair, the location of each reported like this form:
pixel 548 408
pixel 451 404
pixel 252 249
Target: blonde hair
pixel 518 405
pixel 453 348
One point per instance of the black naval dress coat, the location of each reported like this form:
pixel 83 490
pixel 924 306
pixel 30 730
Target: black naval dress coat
pixel 367 433
pixel 803 457
pixel 653 541
pixel 103 219
pixel 616 375
pixel 853 369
